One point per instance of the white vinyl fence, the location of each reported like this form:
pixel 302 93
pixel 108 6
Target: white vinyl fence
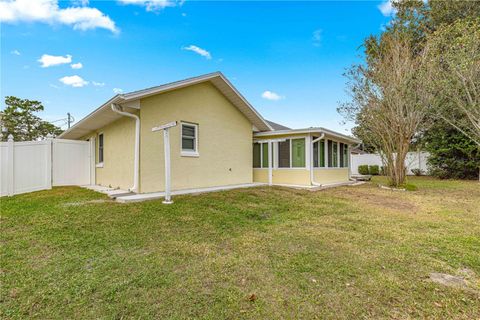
pixel 414 160
pixel 39 165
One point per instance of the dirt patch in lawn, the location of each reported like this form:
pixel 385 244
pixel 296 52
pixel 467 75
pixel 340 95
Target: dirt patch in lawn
pixel 378 200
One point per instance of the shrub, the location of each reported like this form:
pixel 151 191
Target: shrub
pixel 410 187
pixel 374 170
pixel 363 169
pixel 417 172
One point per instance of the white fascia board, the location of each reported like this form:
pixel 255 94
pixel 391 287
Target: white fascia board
pixel 116 99
pixel 309 130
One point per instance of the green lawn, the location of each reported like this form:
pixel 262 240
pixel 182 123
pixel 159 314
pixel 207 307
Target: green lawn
pixel 348 252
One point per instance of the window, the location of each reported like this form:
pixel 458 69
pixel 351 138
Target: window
pixel 298 153
pixel 315 154
pixel 260 155
pixel 341 155
pixel 189 139
pixel 330 153
pixel 284 154
pixel 264 155
pixel 100 148
pixel 257 158
pixel 322 153
pixel 346 155
pixel 335 154
pixel 319 154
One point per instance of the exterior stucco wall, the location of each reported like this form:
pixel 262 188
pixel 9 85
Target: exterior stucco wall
pixel 118 154
pixel 224 140
pixel 330 175
pixel 300 177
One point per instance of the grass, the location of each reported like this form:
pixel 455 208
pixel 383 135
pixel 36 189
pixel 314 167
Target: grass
pixel 343 253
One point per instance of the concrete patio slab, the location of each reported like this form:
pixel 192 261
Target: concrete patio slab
pixel 159 195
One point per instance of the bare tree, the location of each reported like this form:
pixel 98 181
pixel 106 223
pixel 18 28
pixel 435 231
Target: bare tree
pixel 386 103
pixel 452 76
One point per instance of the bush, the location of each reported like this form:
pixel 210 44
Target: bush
pixel 417 172
pixel 363 169
pixel 410 187
pixel 374 170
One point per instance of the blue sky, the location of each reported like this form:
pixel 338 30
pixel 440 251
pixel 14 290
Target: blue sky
pixel 287 58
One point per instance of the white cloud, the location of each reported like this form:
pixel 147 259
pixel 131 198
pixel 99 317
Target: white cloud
pixel 386 8
pixel 48 11
pixel 269 95
pixel 152 5
pixel 15 52
pixel 78 65
pixel 200 51
pixel 48 60
pixel 74 81
pixel 117 90
pixel 98 84
pixel 317 37
pixel 82 3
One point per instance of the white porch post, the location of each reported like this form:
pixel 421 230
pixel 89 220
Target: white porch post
pixel 338 154
pixel 326 152
pixel 270 163
pixel 308 152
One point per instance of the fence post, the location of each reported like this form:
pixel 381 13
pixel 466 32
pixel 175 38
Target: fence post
pixel 49 155
pixel 10 173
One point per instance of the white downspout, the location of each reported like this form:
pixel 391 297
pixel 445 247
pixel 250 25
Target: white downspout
pixel 312 181
pixel 117 109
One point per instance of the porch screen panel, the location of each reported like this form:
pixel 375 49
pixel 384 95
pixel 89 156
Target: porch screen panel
pixel 284 154
pixel 264 155
pixel 256 155
pixel 335 155
pixel 298 153
pixel 322 153
pixel 346 156
pixel 341 164
pixel 330 153
pixel 315 154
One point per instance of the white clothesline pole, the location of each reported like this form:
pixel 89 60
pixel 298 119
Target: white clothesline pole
pixel 166 148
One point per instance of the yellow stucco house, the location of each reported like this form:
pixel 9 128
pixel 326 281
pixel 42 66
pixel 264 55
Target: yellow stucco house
pixel 219 140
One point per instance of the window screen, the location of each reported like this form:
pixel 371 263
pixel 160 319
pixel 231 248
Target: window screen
pixel 264 155
pixel 335 154
pixel 100 148
pixel 256 155
pixel 298 153
pixel 322 153
pixel 330 153
pixel 189 133
pixel 284 154
pixel 341 164
pixel 346 155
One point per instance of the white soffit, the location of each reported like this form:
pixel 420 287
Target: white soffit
pixel 104 115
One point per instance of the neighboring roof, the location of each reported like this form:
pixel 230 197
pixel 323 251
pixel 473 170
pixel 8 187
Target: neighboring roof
pixel 308 130
pixel 357 151
pixel 104 115
pixel 277 126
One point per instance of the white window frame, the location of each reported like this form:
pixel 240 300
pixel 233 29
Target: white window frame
pixel 261 154
pixel 290 138
pixel 100 164
pixel 189 153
